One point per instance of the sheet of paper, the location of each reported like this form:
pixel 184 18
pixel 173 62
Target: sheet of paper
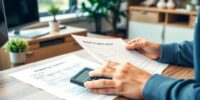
pixel 114 49
pixel 54 77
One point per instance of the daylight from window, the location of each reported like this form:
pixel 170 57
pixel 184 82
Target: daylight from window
pixel 45 4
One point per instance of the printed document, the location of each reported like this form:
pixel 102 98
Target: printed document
pixel 54 77
pixel 114 49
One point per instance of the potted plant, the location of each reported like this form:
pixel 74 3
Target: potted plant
pixel 17 48
pixel 96 12
pixel 114 7
pixel 54 25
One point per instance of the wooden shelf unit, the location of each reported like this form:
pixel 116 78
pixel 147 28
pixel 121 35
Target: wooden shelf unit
pixel 54 44
pixel 155 9
pixel 174 17
pixel 50 45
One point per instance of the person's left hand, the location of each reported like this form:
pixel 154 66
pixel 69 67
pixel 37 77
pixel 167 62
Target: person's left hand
pixel 127 80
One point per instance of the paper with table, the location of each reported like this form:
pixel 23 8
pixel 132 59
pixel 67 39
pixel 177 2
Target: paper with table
pixel 114 49
pixel 54 77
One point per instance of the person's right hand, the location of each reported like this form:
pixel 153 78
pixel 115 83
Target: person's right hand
pixel 147 48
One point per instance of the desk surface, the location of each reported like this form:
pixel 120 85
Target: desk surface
pixel 12 89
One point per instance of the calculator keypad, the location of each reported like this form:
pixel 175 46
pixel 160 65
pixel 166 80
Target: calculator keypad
pixel 97 78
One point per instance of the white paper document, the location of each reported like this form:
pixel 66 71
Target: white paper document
pixel 114 49
pixel 54 77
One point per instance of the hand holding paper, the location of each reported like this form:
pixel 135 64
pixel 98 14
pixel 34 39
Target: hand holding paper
pixel 147 48
pixel 115 49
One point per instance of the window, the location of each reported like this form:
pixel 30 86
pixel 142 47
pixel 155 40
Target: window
pixel 66 6
pixel 44 5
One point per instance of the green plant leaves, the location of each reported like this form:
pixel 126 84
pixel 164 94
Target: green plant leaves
pixel 16 45
pixel 84 8
pixel 97 8
pixel 53 10
pixel 102 8
pixel 123 13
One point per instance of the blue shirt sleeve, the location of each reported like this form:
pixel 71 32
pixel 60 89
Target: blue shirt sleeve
pixel 177 54
pixel 163 88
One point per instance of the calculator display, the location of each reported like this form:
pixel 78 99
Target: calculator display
pixel 83 76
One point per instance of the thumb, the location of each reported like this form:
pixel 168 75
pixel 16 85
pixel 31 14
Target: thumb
pixel 138 44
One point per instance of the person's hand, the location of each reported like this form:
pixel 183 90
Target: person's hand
pixel 127 80
pixel 147 48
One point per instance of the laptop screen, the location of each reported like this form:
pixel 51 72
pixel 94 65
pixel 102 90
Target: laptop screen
pixel 3 27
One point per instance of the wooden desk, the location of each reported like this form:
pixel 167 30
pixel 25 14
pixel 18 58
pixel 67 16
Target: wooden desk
pixel 44 47
pixel 12 89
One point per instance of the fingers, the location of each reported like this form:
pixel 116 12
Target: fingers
pixel 128 80
pixel 107 70
pixel 103 71
pixel 137 43
pixel 137 39
pixel 111 64
pixel 103 83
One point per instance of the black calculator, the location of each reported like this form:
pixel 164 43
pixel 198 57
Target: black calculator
pixel 81 77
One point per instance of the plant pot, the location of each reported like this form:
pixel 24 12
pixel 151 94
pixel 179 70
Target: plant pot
pixel 17 58
pixel 54 26
pixel 98 25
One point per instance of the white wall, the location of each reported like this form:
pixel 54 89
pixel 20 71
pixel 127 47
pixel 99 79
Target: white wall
pixel 178 34
pixel 148 31
pixel 153 32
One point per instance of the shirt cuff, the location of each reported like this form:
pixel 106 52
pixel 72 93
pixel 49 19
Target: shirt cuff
pixel 168 53
pixel 157 87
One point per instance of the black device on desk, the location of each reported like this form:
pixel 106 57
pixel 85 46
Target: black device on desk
pixel 21 13
pixel 81 77
pixel 3 26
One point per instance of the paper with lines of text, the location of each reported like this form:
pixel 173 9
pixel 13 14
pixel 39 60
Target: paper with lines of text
pixel 114 49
